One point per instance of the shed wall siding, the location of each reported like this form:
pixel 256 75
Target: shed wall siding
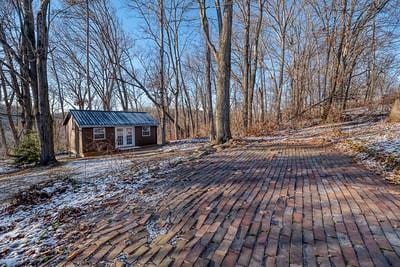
pixel 145 140
pixel 90 145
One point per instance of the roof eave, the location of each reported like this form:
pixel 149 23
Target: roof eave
pixel 117 125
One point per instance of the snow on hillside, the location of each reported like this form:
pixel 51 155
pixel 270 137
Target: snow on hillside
pixel 376 146
pixel 381 137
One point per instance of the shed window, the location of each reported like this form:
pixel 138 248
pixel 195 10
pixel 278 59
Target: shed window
pixel 145 130
pixel 99 133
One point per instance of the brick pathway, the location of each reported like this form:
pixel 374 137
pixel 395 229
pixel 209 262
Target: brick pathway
pixel 260 205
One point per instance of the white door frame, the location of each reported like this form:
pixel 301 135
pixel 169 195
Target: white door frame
pixel 124 136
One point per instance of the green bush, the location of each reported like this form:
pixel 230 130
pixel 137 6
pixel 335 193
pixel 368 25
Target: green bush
pixel 28 150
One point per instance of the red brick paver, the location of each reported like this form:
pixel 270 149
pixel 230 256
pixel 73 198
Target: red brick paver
pixel 259 205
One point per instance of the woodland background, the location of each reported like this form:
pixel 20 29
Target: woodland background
pixel 218 68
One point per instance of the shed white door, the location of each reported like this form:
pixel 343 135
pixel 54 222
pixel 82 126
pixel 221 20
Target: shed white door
pixel 124 137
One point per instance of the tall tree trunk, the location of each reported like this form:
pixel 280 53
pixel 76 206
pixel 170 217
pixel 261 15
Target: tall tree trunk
pixel 187 97
pixel 278 98
pixel 337 73
pixel 87 55
pixel 2 132
pixel 264 95
pixel 28 68
pixel 246 66
pixel 223 58
pixel 125 94
pixel 60 92
pixel 224 76
pixel 371 88
pixel 162 82
pixel 44 120
pixel 210 110
pixel 253 69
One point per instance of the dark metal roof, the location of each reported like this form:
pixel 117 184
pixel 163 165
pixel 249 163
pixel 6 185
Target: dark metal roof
pixel 95 118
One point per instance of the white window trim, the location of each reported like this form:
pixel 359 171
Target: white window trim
pixel 124 132
pixel 104 133
pixel 126 135
pixel 144 133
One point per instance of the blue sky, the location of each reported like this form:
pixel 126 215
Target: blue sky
pixel 126 15
pixel 131 23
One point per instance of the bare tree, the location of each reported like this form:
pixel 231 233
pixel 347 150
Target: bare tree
pixel 281 14
pixel 223 59
pixel 44 119
pixel 210 110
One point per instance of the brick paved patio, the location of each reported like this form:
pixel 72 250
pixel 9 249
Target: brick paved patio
pixel 259 205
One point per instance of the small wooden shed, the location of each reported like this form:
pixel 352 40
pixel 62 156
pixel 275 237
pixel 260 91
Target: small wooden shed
pixel 92 131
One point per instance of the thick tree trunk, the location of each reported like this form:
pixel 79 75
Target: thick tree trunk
pixel 44 120
pixel 223 58
pixel 223 130
pixel 28 66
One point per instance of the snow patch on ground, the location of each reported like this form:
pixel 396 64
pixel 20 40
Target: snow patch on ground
pixel 154 230
pixel 6 166
pixel 185 144
pixel 381 137
pixel 376 146
pixel 93 167
pixel 32 231
pixel 30 234
pixel 80 169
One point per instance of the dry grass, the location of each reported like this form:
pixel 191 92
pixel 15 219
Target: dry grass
pixel 262 128
pixel 389 162
pixel 35 193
